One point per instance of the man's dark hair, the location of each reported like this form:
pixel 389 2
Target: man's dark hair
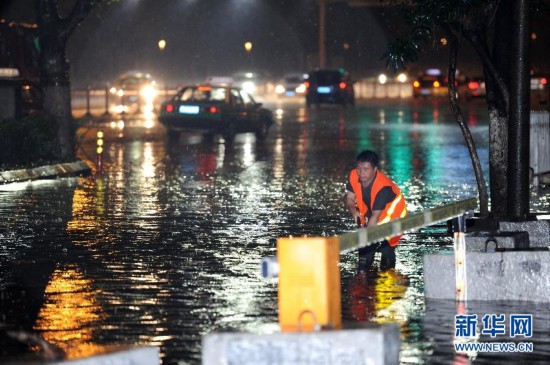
pixel 367 156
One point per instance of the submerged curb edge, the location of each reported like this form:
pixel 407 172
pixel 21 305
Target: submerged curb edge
pixel 44 172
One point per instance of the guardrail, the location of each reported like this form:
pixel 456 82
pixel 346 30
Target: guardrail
pixel 100 99
pixel 95 101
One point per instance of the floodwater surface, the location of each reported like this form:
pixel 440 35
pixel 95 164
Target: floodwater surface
pixel 165 245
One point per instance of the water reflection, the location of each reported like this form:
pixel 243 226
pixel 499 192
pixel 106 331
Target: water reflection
pixel 71 313
pixel 375 296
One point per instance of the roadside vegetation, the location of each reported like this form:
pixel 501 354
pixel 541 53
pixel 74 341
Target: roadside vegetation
pixel 28 142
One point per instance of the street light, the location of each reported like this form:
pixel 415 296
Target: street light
pixel 162 44
pixel 248 46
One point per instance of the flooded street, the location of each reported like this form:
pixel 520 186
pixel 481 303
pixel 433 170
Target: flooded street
pixel 165 246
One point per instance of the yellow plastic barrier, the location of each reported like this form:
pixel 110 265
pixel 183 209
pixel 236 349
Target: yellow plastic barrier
pixel 309 283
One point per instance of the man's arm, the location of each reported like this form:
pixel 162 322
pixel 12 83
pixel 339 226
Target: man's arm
pixel 350 204
pixel 373 221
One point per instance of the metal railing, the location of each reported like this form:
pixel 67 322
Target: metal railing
pixel 364 237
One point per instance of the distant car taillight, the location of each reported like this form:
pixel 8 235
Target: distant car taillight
pixel 437 84
pixel 543 81
pixel 307 84
pixel 210 109
pixel 169 108
pixel 416 84
pixel 473 85
pixel 342 85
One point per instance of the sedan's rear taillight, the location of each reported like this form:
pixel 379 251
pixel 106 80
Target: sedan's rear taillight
pixel 307 84
pixel 211 109
pixel 169 108
pixel 473 85
pixel 342 85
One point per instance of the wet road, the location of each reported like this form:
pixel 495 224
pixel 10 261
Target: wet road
pixel 165 245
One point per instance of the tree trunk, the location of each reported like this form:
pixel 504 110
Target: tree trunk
pixel 498 158
pixel 497 104
pixel 481 185
pixel 54 68
pixel 55 79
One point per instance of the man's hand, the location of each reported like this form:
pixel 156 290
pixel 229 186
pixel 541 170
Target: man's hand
pixel 350 204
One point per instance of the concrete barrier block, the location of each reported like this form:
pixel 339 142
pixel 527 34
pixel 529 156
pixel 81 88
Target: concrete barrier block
pixel 475 242
pixel 133 356
pixel 511 275
pixel 539 231
pixel 439 276
pixel 372 344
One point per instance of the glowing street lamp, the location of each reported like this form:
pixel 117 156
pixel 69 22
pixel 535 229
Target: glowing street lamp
pixel 248 46
pixel 162 44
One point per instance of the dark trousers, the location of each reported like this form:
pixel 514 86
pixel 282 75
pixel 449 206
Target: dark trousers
pixel 366 256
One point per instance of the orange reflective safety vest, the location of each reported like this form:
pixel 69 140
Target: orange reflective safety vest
pixel 395 209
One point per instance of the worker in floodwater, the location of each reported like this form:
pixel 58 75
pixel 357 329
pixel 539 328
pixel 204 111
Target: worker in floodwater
pixel 373 198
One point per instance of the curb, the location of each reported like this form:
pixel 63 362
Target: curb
pixel 44 172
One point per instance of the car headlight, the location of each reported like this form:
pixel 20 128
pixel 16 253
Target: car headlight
pixel 249 87
pixel 301 89
pixel 280 89
pixel 148 92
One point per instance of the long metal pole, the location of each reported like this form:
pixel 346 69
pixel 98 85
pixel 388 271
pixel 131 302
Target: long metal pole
pixel 363 237
pixel 518 133
pixel 322 32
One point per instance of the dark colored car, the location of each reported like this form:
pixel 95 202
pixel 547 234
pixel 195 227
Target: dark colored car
pixel 254 83
pixel 215 109
pixel 472 88
pixel 329 87
pixel 540 96
pixel 430 84
pixel 291 85
pixel 134 89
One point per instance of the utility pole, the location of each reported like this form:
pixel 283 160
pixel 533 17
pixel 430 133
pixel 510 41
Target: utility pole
pixel 322 32
pixel 520 112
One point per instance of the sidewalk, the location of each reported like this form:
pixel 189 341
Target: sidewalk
pixel 44 172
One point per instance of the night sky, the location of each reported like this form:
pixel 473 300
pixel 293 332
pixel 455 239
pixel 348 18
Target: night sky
pixel 206 37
